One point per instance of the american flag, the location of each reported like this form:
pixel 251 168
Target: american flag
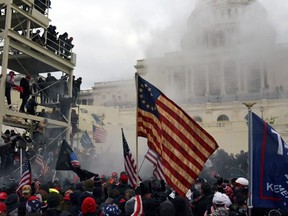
pixel 26 178
pixel 99 134
pixel 74 160
pixel 44 166
pixel 182 144
pixel 129 162
pixel 155 159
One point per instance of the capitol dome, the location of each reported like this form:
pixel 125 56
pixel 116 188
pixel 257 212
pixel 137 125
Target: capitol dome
pixel 215 24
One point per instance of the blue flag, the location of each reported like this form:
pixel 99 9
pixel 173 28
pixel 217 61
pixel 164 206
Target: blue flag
pixel 86 141
pixel 270 166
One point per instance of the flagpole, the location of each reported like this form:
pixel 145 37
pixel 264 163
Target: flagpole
pixel 137 158
pixel 250 158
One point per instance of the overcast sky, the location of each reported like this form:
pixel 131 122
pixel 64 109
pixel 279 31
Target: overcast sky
pixel 111 35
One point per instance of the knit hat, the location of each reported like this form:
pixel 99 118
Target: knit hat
pixel 3 195
pixel 53 200
pixel 89 185
pixel 33 206
pixel 112 210
pixel 124 178
pixel 3 208
pixel 221 199
pixel 88 205
pixel 242 181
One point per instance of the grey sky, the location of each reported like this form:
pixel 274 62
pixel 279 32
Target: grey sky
pixel 111 35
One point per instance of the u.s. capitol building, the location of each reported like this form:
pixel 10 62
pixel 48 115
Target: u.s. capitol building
pixel 228 56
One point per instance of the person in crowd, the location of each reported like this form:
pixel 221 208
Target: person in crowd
pixel 62 42
pixel 41 88
pixel 37 38
pixel 89 207
pixel 52 87
pixel 220 206
pixel 63 87
pixel 74 208
pixel 123 185
pixel 26 90
pixel 76 87
pixel 33 207
pixel 42 5
pixel 26 194
pixel 68 47
pixel 5 153
pixel 42 113
pixel 88 186
pixel 9 84
pixel 3 196
pixel 3 209
pixel 53 204
pixel 201 199
pixel 74 123
pixel 31 105
pixel 52 41
pixel 65 104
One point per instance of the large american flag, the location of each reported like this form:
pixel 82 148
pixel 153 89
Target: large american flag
pixel 156 160
pixel 26 178
pixel 182 144
pixel 99 134
pixel 129 162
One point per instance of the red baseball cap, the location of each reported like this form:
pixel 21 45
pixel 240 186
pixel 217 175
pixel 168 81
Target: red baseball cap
pixel 3 195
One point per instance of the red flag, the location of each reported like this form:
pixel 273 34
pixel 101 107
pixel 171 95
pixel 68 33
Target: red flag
pixel 182 144
pixel 26 178
pixel 129 162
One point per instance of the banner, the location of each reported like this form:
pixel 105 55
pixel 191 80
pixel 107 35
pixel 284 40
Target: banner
pixel 270 166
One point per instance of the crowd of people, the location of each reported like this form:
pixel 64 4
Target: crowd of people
pixel 112 195
pixel 210 194
pixel 49 90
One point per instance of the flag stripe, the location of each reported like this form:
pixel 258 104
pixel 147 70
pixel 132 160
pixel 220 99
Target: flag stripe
pixel 151 156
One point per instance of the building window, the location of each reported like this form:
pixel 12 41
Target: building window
pixel 84 102
pixel 199 81
pixel 214 78
pixel 90 101
pixel 222 118
pixel 230 74
pixel 254 80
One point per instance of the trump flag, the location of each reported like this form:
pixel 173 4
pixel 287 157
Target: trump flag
pixel 269 165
